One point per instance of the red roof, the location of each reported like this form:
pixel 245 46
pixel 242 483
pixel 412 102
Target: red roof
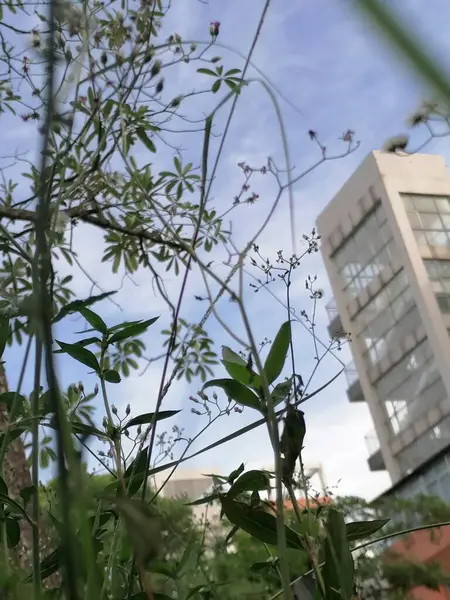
pixel 301 502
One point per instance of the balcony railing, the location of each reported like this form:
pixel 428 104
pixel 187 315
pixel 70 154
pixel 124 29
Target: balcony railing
pixel 351 373
pixel 372 442
pixel 331 309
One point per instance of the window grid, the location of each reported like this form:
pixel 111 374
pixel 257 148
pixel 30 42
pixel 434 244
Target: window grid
pixel 390 320
pixel 365 253
pixel 439 274
pixel 429 217
pixel 428 444
pixel 410 388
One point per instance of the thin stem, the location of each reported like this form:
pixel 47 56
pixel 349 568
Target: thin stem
pixel 35 409
pixel 308 540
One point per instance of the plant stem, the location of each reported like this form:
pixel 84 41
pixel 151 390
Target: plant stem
pixel 35 467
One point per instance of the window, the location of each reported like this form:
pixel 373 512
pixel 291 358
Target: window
pixel 443 301
pixel 423 448
pixel 429 217
pixel 410 388
pixel 387 319
pixel 365 253
pixel 439 274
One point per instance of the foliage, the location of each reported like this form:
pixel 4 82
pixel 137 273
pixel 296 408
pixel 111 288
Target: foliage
pixel 387 572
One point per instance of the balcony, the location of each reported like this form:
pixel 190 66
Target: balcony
pixel 354 390
pixel 335 328
pixel 375 460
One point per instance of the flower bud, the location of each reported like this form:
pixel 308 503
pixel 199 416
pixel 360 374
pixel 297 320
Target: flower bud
pixel 128 410
pixel 156 68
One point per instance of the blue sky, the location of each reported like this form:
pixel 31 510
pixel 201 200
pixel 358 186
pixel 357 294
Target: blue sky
pixel 338 73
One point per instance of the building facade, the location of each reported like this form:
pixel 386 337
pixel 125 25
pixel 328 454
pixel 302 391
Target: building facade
pixel 386 249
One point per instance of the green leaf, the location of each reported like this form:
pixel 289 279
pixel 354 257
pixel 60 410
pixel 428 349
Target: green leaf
pixel 258 523
pixel 277 355
pixel 50 564
pixel 5 334
pixel 216 86
pixel 270 563
pixel 236 391
pixel 207 72
pixel 147 418
pixel 235 474
pixel 82 355
pixel 132 330
pixel 140 132
pixel 185 556
pixel 26 494
pixel 251 481
pixel 11 398
pixel 204 500
pixel 76 305
pixel 138 465
pixel 12 532
pixel 195 590
pixel 111 376
pixel 94 320
pixel 364 529
pixel 15 506
pixel 84 342
pixel 338 571
pixel 238 369
pixel 81 429
pixel 280 391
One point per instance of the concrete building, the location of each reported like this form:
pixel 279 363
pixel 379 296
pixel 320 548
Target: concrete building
pixel 386 248
pixel 190 485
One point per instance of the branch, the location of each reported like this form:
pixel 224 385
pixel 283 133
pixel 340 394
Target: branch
pixel 98 220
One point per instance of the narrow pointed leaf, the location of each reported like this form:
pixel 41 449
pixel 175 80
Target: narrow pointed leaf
pixel 5 333
pixel 4 499
pixel 132 330
pixel 238 369
pixel 81 354
pixel 364 529
pixel 258 523
pixel 76 305
pixel 235 474
pixel 94 320
pixel 251 481
pixel 204 500
pixel 236 391
pixel 277 355
pixel 281 391
pixel 111 376
pixel 145 139
pixel 338 571
pixel 148 418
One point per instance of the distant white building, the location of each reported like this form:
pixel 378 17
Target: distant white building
pixel 192 485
